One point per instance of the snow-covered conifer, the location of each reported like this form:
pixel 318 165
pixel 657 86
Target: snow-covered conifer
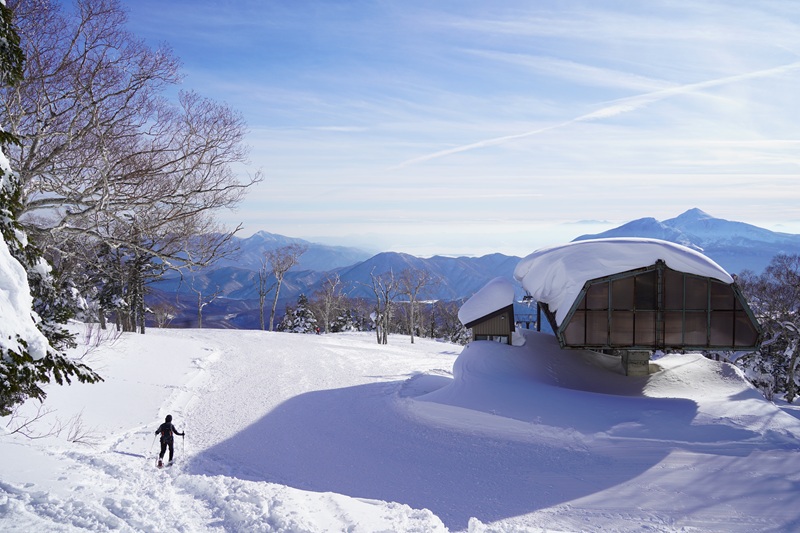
pixel 345 321
pixel 300 319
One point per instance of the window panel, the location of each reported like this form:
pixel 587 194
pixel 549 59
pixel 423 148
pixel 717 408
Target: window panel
pixel 673 328
pixel 722 296
pixel 645 290
pixel 622 327
pixel 597 296
pixel 622 293
pixel 575 332
pixel 597 327
pixel 746 333
pixel 696 293
pixel 645 328
pixel 721 333
pixel 673 289
pixel 695 328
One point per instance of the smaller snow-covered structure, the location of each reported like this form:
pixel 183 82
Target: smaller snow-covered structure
pixel 635 296
pixel 490 312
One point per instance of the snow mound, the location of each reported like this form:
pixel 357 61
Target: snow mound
pixel 579 396
pixel 556 275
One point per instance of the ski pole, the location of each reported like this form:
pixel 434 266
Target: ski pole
pixel 151 448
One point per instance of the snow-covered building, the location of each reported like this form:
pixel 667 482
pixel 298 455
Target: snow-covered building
pixel 490 312
pixel 634 296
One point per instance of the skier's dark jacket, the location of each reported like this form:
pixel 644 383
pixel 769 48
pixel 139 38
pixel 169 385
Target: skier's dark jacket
pixel 167 429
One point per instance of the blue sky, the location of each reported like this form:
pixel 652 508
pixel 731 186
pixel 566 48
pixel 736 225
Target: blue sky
pixel 473 127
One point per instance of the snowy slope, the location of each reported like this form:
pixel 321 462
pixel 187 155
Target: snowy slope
pixel 336 433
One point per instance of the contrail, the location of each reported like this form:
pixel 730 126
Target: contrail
pixel 623 105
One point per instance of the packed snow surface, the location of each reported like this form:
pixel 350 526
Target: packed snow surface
pixel 289 432
pixel 556 275
pixel 495 295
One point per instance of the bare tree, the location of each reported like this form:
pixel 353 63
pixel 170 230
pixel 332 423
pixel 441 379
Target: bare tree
pixel 384 287
pixel 413 281
pixel 328 301
pixel 281 260
pixel 163 313
pixel 104 154
pixel 449 325
pixel 262 288
pixel 202 301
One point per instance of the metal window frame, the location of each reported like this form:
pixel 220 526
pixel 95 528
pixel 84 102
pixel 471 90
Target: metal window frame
pixel 659 343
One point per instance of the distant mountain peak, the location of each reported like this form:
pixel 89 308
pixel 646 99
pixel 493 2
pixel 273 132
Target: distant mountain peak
pixel 265 236
pixel 693 214
pixel 734 245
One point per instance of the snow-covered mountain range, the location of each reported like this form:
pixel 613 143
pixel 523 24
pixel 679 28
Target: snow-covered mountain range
pixel 318 257
pixel 735 246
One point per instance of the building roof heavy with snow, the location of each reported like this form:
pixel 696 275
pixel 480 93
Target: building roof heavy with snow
pixel 637 294
pixel 490 311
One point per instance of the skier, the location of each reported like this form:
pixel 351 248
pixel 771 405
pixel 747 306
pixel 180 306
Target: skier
pixel 167 430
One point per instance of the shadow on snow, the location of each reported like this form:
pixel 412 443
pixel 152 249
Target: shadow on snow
pixel 355 441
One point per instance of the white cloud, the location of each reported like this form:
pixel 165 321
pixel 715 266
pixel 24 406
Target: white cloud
pixel 624 105
pixel 499 121
pixel 575 72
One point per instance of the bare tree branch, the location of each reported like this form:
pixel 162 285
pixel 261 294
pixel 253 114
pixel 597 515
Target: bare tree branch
pixel 413 282
pixel 105 158
pixel 281 260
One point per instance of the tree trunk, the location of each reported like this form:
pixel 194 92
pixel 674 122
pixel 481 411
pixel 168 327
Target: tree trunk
pixel 141 314
pixel 791 385
pixel 387 318
pixel 275 304
pixel 200 310
pixel 261 298
pixel 411 312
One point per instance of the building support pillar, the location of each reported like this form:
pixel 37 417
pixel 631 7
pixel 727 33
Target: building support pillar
pixel 636 362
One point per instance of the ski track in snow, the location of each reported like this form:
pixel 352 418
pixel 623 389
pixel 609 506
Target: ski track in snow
pixel 334 433
pixel 120 488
